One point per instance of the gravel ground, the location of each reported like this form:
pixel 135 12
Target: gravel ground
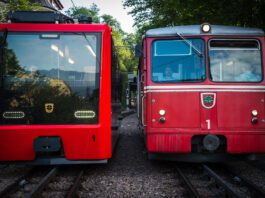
pixel 254 174
pixel 129 173
pixel 8 174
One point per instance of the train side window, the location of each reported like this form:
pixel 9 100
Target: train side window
pixel 235 60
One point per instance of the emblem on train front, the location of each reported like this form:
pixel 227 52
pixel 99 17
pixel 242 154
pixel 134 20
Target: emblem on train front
pixel 49 107
pixel 208 100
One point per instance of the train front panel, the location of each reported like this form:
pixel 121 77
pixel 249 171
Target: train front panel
pixel 202 94
pixel 55 93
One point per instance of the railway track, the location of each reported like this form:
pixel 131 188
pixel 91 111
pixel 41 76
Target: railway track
pixel 205 181
pixel 73 190
pixel 32 185
pixel 254 190
pixel 258 164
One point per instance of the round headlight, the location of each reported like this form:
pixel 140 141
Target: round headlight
pixel 162 112
pixel 206 27
pixel 254 112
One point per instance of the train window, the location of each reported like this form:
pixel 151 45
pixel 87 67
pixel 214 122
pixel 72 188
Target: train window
pixel 49 69
pixel 171 48
pixel 175 61
pixel 235 61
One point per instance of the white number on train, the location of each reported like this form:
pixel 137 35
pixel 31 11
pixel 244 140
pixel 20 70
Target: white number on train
pixel 208 124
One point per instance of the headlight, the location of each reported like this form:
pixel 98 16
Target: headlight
pixel 254 112
pixel 206 27
pixel 162 112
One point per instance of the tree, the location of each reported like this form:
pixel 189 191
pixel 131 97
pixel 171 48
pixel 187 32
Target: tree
pixel 92 11
pixel 161 13
pixel 123 42
pixel 17 5
pixel 111 21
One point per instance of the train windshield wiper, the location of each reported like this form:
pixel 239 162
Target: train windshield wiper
pixel 190 44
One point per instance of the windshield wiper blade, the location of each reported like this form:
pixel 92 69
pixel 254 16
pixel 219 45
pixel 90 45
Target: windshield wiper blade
pixel 190 44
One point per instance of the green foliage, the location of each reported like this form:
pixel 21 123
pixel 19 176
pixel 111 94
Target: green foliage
pixel 161 13
pixel 17 5
pixel 124 43
pixel 22 5
pixel 92 11
pixel 108 19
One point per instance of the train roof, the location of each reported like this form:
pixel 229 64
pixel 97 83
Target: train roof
pixel 194 30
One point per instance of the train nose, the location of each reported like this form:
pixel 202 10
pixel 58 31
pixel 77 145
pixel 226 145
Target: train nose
pixel 211 142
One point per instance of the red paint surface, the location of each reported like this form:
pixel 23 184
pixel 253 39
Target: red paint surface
pixel 186 117
pixel 16 142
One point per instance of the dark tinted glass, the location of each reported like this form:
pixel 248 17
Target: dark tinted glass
pixel 50 78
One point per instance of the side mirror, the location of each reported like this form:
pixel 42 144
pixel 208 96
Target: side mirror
pixel 138 51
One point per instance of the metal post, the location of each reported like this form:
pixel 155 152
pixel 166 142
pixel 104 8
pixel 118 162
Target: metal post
pixel 127 98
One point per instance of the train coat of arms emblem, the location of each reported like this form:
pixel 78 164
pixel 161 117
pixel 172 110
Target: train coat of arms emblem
pixel 49 107
pixel 208 100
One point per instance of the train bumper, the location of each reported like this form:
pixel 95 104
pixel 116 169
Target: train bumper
pixel 78 143
pixel 236 143
pixel 55 161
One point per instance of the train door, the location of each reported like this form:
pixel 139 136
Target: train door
pixel 142 96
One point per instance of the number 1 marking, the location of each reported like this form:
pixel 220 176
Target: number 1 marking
pixel 208 124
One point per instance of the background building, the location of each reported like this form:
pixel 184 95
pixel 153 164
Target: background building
pixel 50 3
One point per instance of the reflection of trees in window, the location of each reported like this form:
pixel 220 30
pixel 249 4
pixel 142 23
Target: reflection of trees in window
pixel 29 91
pixel 11 63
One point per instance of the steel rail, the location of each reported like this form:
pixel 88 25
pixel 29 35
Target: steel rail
pixel 221 182
pixel 256 190
pixel 35 192
pixel 191 189
pixel 13 187
pixel 258 165
pixel 73 190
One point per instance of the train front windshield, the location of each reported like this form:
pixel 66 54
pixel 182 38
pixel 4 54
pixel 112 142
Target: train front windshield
pixel 50 78
pixel 178 60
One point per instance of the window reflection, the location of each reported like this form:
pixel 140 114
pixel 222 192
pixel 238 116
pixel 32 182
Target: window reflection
pixel 60 69
pixel 235 61
pixel 175 61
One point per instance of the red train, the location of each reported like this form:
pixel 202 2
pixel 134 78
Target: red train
pixel 201 93
pixel 58 90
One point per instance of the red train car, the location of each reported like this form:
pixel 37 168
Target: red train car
pixel 201 92
pixel 55 90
